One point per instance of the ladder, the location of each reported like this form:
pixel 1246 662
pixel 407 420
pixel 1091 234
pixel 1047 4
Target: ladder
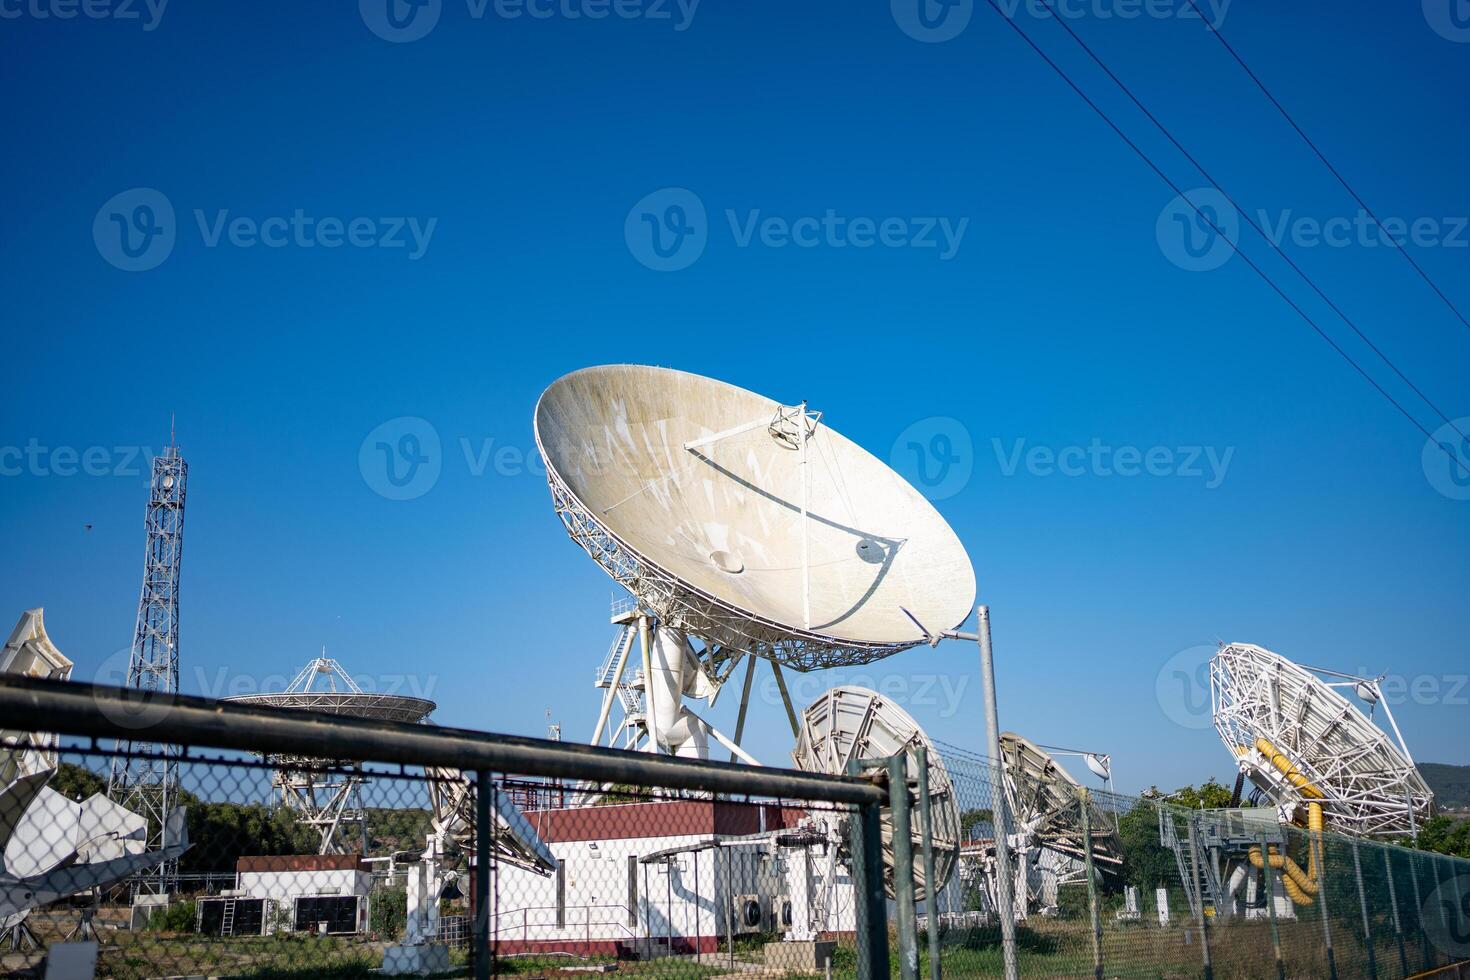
pixel 227 920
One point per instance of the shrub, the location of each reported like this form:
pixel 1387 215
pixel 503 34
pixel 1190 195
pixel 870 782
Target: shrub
pixel 177 917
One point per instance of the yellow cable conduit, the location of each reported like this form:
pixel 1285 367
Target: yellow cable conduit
pixel 1300 885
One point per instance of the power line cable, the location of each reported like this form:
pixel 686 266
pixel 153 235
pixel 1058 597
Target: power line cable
pixel 1254 225
pixel 1206 218
pixel 1328 164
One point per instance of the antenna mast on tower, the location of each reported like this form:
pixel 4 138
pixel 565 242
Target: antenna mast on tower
pixel 145 776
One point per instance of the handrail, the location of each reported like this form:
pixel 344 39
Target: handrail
pixel 74 708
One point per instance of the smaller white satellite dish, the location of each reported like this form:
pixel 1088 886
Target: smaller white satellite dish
pixel 856 723
pixel 168 481
pixel 1366 692
pixel 1100 765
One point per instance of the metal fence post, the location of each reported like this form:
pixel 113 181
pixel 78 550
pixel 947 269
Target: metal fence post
pixel 931 893
pixel 483 829
pixel 1269 881
pixel 871 912
pixel 1000 815
pixel 1314 841
pixel 903 866
pixel 1427 956
pixel 729 906
pixel 1444 917
pixel 1199 899
pixel 1393 904
pixel 1460 908
pixel 1363 903
pixel 1084 803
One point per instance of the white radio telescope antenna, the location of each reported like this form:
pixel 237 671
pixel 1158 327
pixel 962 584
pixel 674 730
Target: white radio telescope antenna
pixel 324 793
pixel 1049 842
pixel 855 723
pixel 741 524
pixel 1304 745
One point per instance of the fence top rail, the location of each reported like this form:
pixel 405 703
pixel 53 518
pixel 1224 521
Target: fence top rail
pixel 90 710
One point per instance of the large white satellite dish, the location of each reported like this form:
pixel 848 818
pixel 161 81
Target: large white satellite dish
pixel 741 524
pixel 849 723
pixel 744 521
pixel 1304 744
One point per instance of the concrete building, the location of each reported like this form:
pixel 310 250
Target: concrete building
pixel 647 879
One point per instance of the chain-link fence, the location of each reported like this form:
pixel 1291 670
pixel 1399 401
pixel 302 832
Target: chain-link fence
pixel 438 852
pixel 1109 885
pixel 430 852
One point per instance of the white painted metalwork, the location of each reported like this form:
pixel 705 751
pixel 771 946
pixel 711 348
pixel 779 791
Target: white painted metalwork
pixel 29 652
pixel 667 482
pixel 1047 843
pixel 1369 784
pixel 849 723
pixel 145 774
pixel 742 528
pixel 328 795
pixel 53 848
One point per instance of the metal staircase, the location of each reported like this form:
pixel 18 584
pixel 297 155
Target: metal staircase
pixel 630 691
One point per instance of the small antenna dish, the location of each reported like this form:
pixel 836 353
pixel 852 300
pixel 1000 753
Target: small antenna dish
pixel 1100 765
pixel 856 723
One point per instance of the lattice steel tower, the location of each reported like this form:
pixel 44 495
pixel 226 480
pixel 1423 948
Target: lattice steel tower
pixel 145 776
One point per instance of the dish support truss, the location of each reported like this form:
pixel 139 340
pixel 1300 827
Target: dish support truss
pixel 1368 780
pixel 655 717
pixel 324 794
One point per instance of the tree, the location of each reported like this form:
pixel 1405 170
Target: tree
pixel 1445 835
pixel 76 783
pixel 1211 795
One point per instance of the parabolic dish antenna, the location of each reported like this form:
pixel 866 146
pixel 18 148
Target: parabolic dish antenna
pixel 855 723
pixel 1302 743
pixel 321 791
pixel 746 522
pixel 323 685
pixel 1045 805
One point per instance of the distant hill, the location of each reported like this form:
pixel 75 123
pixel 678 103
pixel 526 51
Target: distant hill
pixel 1451 784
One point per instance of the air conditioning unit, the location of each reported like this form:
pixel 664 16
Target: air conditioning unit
pixel 782 913
pixel 745 912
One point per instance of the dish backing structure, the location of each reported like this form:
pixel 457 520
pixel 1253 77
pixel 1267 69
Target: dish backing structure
pixel 1301 743
pixel 327 795
pixel 1317 764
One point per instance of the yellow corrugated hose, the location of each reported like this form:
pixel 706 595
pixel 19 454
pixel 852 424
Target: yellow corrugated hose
pixel 1300 885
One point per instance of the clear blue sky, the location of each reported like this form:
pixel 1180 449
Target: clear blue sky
pixel 1059 320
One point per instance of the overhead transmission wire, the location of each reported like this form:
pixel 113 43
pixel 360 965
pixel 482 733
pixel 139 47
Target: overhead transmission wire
pixel 1328 164
pixel 1254 224
pixel 1158 171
